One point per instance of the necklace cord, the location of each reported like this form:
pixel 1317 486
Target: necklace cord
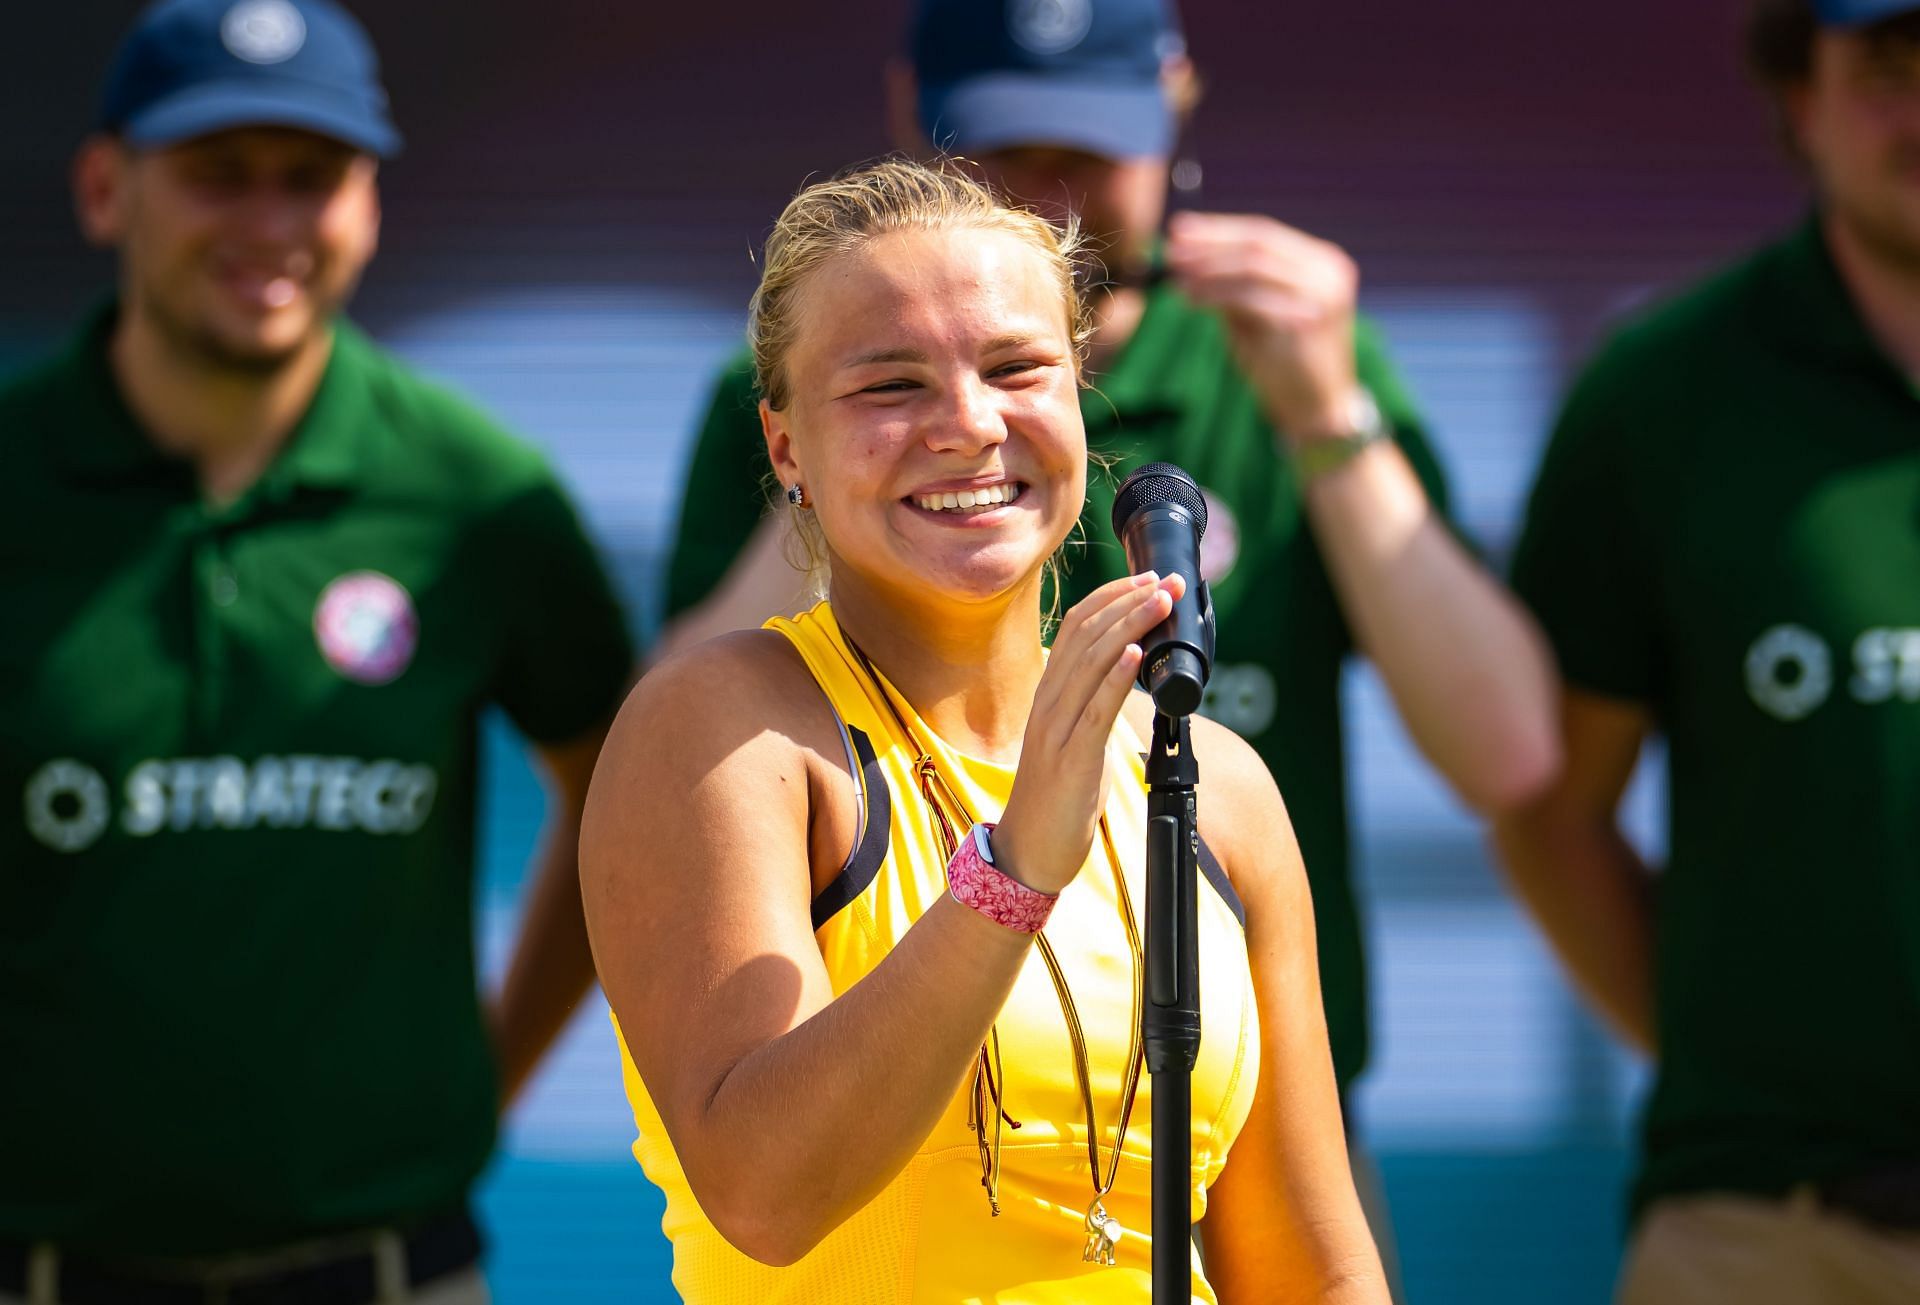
pixel 989 1080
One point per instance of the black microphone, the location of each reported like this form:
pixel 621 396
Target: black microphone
pixel 1159 516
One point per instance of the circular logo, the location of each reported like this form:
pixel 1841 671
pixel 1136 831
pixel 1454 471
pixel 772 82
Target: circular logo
pixel 1789 671
pixel 1243 698
pixel 1220 546
pixel 1049 26
pixel 66 805
pixel 263 31
pixel 366 627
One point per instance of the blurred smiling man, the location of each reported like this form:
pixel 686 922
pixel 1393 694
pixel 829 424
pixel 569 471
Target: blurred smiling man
pixel 1724 546
pixel 260 581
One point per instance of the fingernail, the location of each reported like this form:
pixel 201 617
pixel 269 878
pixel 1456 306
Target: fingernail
pixel 1147 578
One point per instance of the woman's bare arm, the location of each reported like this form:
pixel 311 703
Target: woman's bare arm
pixel 789 1108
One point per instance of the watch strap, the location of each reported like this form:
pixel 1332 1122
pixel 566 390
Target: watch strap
pixel 975 881
pixel 1366 426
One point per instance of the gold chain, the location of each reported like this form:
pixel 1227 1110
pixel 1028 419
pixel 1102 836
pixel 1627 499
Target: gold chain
pixel 989 1082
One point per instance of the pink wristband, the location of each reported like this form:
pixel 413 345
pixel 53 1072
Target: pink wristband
pixel 975 881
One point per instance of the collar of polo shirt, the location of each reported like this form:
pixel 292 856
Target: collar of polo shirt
pixel 331 447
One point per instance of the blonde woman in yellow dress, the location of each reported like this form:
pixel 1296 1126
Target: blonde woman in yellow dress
pixel 864 887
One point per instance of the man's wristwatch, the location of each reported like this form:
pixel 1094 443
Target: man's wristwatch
pixel 1364 426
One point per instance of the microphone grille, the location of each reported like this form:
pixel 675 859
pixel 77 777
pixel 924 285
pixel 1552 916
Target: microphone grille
pixel 1152 485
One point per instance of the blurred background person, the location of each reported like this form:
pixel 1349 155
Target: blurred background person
pixel 1229 345
pixel 1723 547
pixel 260 580
pixel 818 858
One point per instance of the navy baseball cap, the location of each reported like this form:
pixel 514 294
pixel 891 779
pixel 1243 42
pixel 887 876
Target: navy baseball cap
pixel 1858 13
pixel 1083 74
pixel 192 67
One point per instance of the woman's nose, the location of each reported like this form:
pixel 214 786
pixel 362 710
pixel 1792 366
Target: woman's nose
pixel 972 420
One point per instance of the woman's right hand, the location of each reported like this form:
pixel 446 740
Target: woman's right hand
pixel 1060 787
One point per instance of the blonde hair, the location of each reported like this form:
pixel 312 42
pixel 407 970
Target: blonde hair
pixel 835 217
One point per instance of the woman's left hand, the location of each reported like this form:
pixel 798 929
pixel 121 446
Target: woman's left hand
pixel 1060 787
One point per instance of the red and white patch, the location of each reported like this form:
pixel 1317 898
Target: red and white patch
pixel 366 627
pixel 1220 546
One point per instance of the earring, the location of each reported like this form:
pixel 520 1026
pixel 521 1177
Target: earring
pixel 797 494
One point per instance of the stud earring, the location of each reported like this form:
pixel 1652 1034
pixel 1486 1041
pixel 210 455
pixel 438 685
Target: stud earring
pixel 797 494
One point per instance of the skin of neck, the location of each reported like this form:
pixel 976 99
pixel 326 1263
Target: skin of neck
pixel 228 422
pixel 1884 288
pixel 969 669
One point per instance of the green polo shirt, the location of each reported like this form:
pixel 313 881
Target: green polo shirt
pixel 1174 394
pixel 237 992
pixel 1727 530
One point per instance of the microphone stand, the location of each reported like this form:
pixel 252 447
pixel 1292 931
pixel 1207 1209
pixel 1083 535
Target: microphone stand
pixel 1170 1015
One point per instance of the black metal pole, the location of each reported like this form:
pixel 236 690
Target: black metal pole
pixel 1170 1015
pixel 1172 1213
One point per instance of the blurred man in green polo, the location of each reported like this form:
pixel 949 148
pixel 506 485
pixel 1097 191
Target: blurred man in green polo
pixel 259 583
pixel 1724 546
pixel 1229 345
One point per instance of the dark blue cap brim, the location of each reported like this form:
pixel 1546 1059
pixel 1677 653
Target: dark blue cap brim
pixel 1858 13
pixel 222 106
pixel 1005 110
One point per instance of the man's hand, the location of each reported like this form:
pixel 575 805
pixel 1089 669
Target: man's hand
pixel 1468 670
pixel 1288 299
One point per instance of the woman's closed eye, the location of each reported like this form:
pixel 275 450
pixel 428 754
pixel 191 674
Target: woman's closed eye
pixel 1018 369
pixel 891 387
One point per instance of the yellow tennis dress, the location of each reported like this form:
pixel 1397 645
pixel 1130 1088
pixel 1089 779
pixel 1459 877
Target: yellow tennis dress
pixel 930 1236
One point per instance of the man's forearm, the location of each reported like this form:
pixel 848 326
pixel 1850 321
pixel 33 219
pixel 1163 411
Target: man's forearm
pixel 1593 896
pixel 1471 675
pixel 762 582
pixel 552 965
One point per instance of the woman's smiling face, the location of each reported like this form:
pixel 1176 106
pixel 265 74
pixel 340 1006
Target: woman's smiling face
pixel 933 412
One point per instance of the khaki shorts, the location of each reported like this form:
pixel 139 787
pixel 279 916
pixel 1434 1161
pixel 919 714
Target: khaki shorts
pixel 1704 1250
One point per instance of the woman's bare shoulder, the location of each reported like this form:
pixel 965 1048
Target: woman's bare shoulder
pixel 1228 760
pixel 744 698
pixel 753 679
pixel 1242 816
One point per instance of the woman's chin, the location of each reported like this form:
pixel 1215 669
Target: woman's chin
pixel 982 577
pixel 965 568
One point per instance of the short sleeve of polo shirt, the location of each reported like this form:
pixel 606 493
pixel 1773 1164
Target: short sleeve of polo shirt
pixel 724 496
pixel 1376 371
pixel 1578 565
pixel 567 656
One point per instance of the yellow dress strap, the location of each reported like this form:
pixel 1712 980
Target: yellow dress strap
pixel 816 636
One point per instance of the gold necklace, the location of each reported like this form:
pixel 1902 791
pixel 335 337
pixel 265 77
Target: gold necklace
pixel 989 1082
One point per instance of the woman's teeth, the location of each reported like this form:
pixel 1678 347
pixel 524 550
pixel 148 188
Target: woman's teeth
pixel 970 500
